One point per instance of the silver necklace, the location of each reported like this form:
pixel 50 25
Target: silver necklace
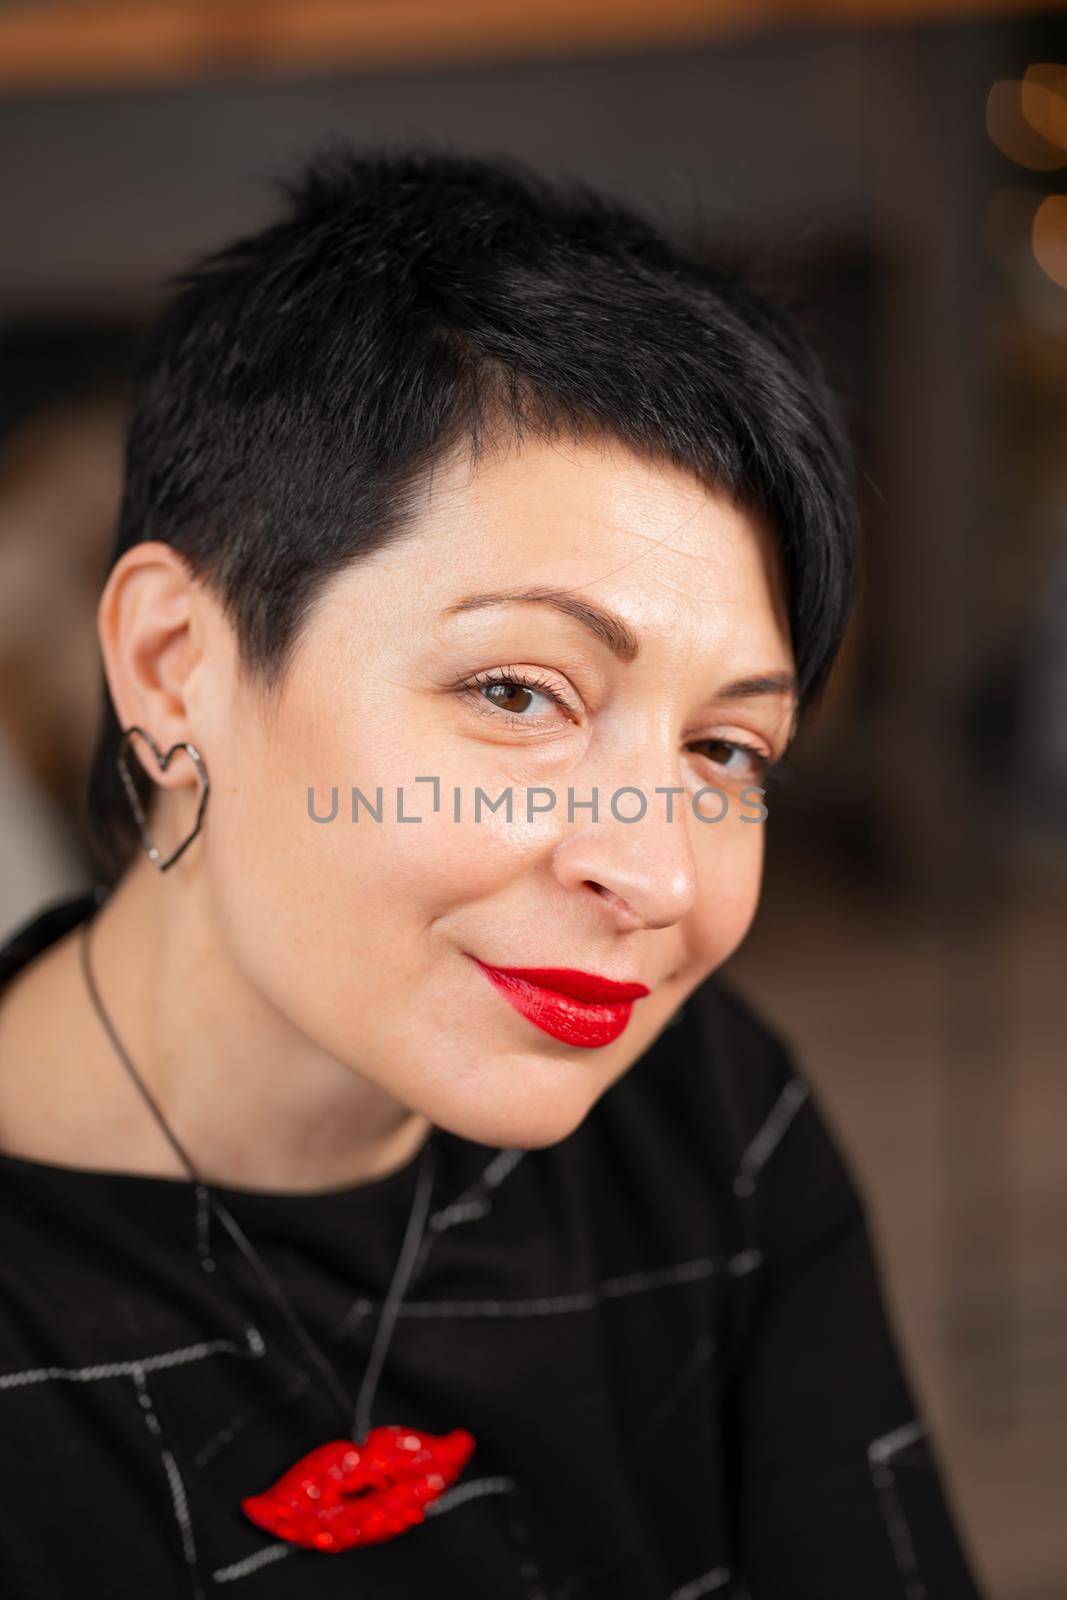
pixel 357 1419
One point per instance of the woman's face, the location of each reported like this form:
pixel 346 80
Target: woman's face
pixel 369 936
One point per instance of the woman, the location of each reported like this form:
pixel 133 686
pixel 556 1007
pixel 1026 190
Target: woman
pixel 395 1201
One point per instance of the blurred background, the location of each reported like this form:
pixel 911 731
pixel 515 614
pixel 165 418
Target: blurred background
pixel 903 168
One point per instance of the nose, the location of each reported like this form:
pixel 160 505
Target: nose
pixel 644 870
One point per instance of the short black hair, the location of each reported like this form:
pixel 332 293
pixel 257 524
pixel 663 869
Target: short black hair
pixel 410 299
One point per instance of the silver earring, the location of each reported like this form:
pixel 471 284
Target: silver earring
pixel 163 761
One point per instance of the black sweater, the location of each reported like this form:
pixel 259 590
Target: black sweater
pixel 666 1333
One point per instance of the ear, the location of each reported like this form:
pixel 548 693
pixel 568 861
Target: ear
pixel 151 644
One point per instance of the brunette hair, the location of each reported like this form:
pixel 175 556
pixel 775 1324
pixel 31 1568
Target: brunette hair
pixel 304 379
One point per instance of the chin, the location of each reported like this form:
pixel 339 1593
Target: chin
pixel 527 1121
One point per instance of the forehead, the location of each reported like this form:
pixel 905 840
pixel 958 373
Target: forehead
pixel 645 538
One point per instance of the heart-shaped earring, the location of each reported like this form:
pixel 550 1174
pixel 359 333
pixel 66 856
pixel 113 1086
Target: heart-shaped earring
pixel 162 761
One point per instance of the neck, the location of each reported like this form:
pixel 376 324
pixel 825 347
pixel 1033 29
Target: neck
pixel 253 1101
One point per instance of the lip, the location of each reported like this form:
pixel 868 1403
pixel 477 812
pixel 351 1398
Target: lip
pixel 580 1008
pixel 343 1494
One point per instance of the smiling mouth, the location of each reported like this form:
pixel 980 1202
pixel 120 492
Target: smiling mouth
pixel 589 1012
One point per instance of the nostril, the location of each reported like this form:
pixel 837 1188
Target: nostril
pixel 623 908
pixel 608 894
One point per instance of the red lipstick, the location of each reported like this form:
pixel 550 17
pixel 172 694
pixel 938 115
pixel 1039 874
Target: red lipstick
pixel 577 1007
pixel 343 1494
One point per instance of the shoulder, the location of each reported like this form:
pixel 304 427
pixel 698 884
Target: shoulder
pixel 743 1068
pixel 725 1091
pixel 718 1069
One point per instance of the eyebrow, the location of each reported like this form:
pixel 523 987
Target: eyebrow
pixel 613 631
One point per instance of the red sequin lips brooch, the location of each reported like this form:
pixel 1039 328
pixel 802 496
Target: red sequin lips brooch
pixel 343 1494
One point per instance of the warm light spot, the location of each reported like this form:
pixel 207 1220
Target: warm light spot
pixel 1050 237
pixel 1044 101
pixel 1012 133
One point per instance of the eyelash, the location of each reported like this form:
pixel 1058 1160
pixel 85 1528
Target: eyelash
pixel 767 766
pixel 515 678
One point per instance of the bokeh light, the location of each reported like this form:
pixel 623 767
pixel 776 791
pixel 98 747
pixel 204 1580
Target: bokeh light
pixel 1012 131
pixel 1050 237
pixel 1044 101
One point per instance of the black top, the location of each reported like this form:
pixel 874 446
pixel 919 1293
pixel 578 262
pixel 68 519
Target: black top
pixel 666 1333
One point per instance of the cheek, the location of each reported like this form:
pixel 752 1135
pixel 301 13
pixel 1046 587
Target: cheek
pixel 731 872
pixel 325 917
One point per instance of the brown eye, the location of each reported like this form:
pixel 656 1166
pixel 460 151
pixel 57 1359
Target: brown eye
pixel 509 696
pixel 737 759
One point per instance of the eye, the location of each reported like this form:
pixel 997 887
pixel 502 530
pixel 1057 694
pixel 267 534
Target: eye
pixel 510 694
pixel 738 759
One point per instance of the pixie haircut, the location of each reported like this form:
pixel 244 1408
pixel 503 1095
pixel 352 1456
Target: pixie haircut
pixel 305 379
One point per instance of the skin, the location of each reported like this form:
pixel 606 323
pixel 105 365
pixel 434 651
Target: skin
pixel 300 996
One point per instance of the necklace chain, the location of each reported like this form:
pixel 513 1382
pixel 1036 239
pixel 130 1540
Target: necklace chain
pixel 357 1424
